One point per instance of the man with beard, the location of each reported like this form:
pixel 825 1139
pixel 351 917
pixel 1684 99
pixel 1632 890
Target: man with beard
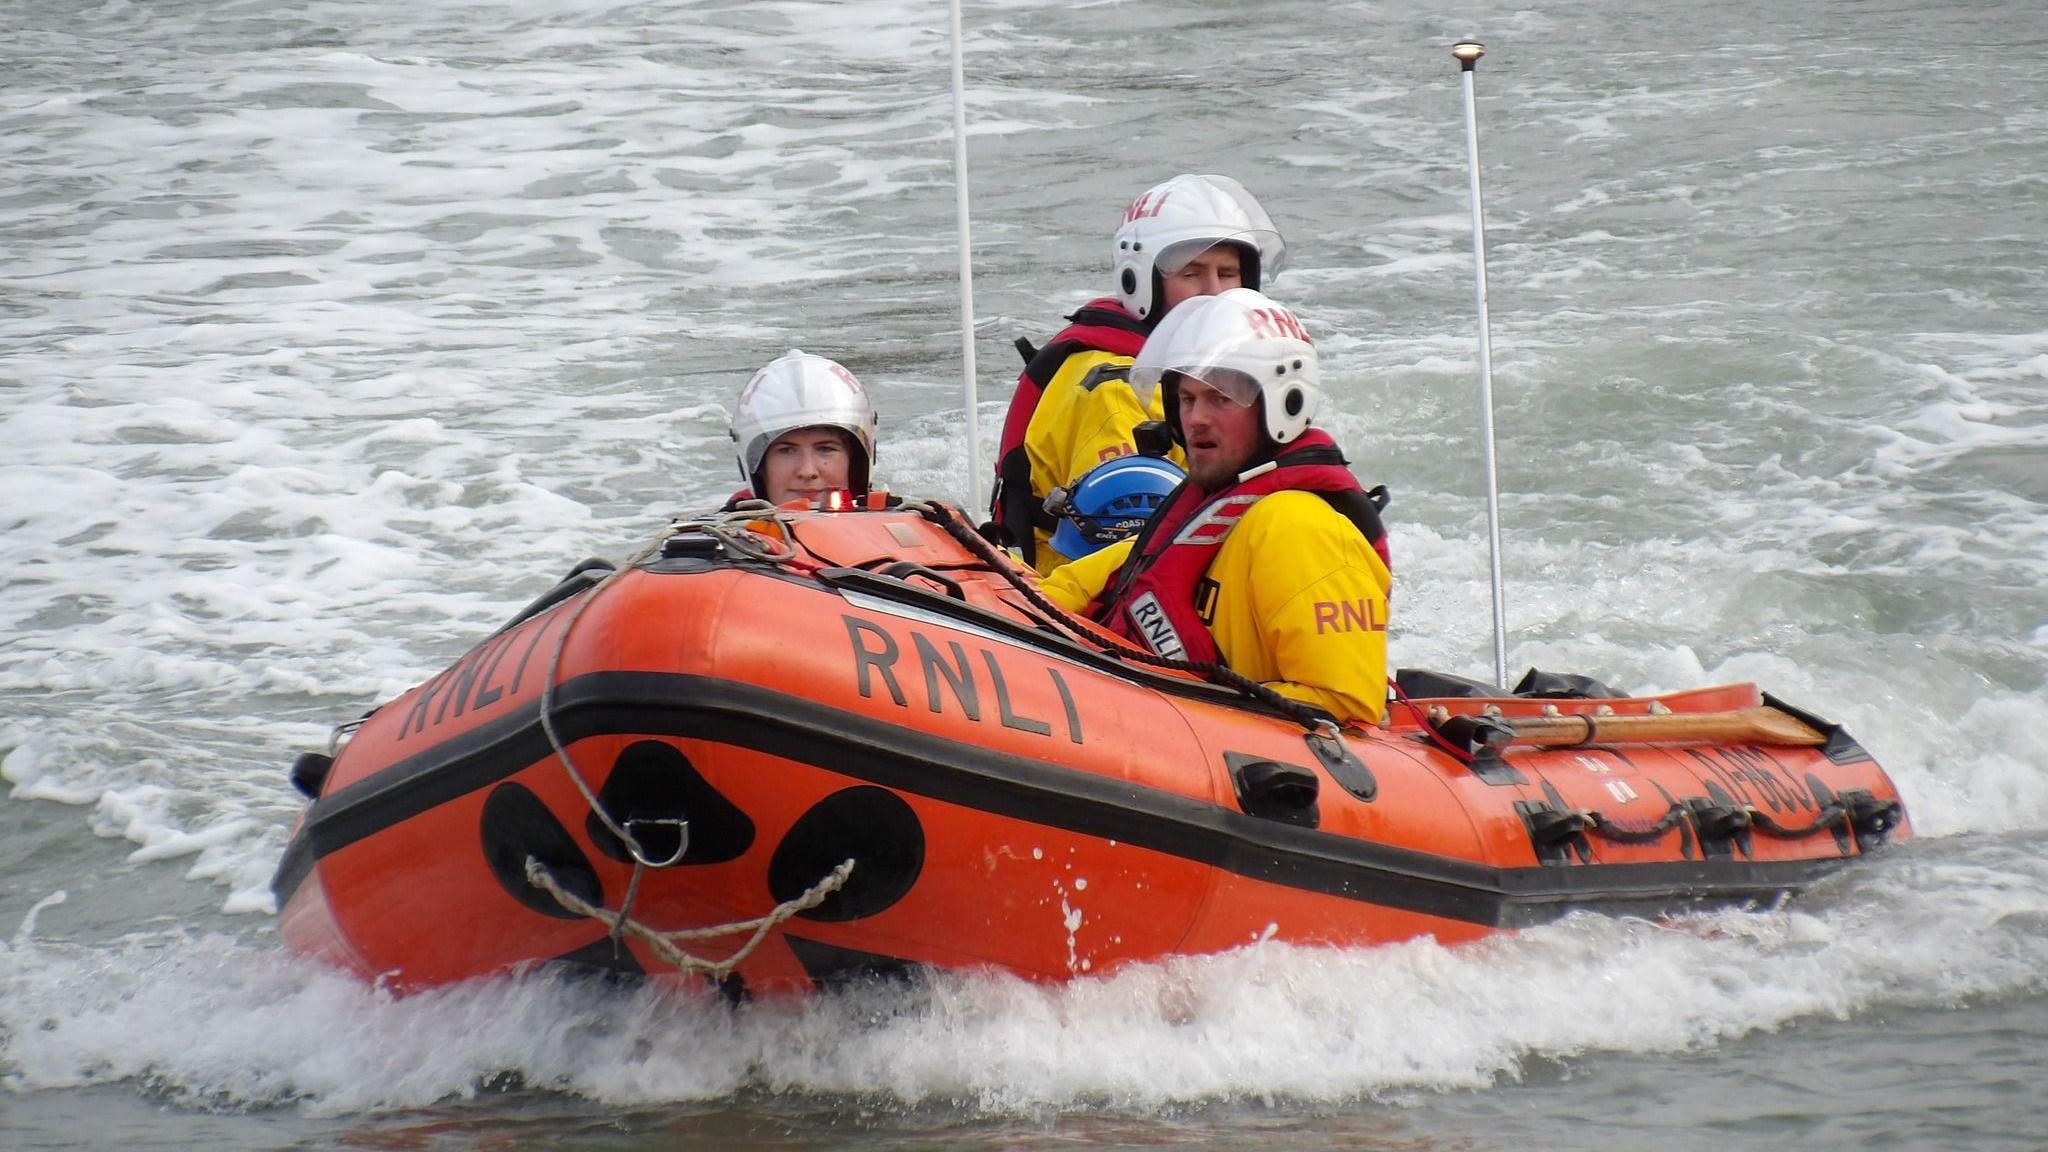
pixel 1270 558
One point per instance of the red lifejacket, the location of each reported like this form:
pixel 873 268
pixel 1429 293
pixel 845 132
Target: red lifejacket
pixel 1101 325
pixel 1152 598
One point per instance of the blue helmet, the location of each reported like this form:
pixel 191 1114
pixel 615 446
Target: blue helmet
pixel 1111 502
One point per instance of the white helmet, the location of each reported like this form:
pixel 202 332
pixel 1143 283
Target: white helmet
pixel 1179 220
pixel 799 390
pixel 1243 345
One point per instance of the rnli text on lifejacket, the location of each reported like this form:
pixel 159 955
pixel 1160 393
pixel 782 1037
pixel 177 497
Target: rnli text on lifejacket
pixel 875 654
pixel 1349 616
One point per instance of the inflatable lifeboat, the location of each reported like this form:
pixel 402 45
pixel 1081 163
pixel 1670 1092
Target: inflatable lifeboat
pixel 783 748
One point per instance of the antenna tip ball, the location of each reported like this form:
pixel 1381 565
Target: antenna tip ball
pixel 1467 51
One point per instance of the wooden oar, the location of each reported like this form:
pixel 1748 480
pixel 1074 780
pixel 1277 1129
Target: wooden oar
pixel 1760 725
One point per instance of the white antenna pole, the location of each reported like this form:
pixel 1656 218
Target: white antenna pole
pixel 966 266
pixel 1468 54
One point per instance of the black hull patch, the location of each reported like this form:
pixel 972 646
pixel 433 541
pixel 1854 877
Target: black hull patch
pixel 653 783
pixel 830 966
pixel 516 826
pixel 870 826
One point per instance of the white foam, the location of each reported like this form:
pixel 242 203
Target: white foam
pixel 1264 1022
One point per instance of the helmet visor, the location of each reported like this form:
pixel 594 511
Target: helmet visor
pixel 1236 386
pixel 1239 343
pixel 1227 212
pixel 1261 245
pixel 1214 370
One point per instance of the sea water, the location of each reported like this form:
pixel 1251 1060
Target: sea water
pixel 331 333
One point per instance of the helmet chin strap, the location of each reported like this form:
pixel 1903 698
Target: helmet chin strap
pixel 1267 457
pixel 1150 319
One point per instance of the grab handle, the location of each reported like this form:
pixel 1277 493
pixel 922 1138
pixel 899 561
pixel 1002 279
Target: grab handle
pixel 907 570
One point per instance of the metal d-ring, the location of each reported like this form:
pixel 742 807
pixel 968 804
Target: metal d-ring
pixel 682 828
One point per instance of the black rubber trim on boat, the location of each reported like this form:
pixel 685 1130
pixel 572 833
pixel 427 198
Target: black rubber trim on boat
pixel 918 763
pixel 582 578
pixel 1841 748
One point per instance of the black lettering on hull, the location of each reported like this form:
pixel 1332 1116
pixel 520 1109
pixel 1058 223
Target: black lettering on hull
pixel 1753 775
pixel 948 670
pixel 1067 700
pixel 486 695
pixel 416 718
pixel 519 673
pixel 879 661
pixel 1008 715
pixel 957 673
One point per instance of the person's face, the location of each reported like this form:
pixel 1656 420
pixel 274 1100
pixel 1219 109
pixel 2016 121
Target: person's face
pixel 1218 270
pixel 804 464
pixel 1222 435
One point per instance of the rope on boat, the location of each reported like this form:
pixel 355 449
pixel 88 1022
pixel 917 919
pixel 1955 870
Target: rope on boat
pixel 547 703
pixel 730 529
pixel 1858 812
pixel 734 529
pixel 1634 831
pixel 1309 718
pixel 668 945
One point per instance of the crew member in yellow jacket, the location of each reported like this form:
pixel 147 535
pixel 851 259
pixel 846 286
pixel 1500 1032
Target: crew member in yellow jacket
pixel 1073 410
pixel 1270 558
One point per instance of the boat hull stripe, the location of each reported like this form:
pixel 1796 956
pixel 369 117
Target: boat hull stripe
pixel 1039 792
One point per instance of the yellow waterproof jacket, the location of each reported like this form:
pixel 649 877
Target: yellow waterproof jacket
pixel 1084 418
pixel 1300 603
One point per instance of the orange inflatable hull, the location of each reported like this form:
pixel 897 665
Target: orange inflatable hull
pixel 1010 795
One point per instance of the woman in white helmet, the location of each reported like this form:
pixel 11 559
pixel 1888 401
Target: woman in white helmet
pixel 804 428
pixel 1191 236
pixel 1270 558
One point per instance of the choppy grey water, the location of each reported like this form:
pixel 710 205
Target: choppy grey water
pixel 332 331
